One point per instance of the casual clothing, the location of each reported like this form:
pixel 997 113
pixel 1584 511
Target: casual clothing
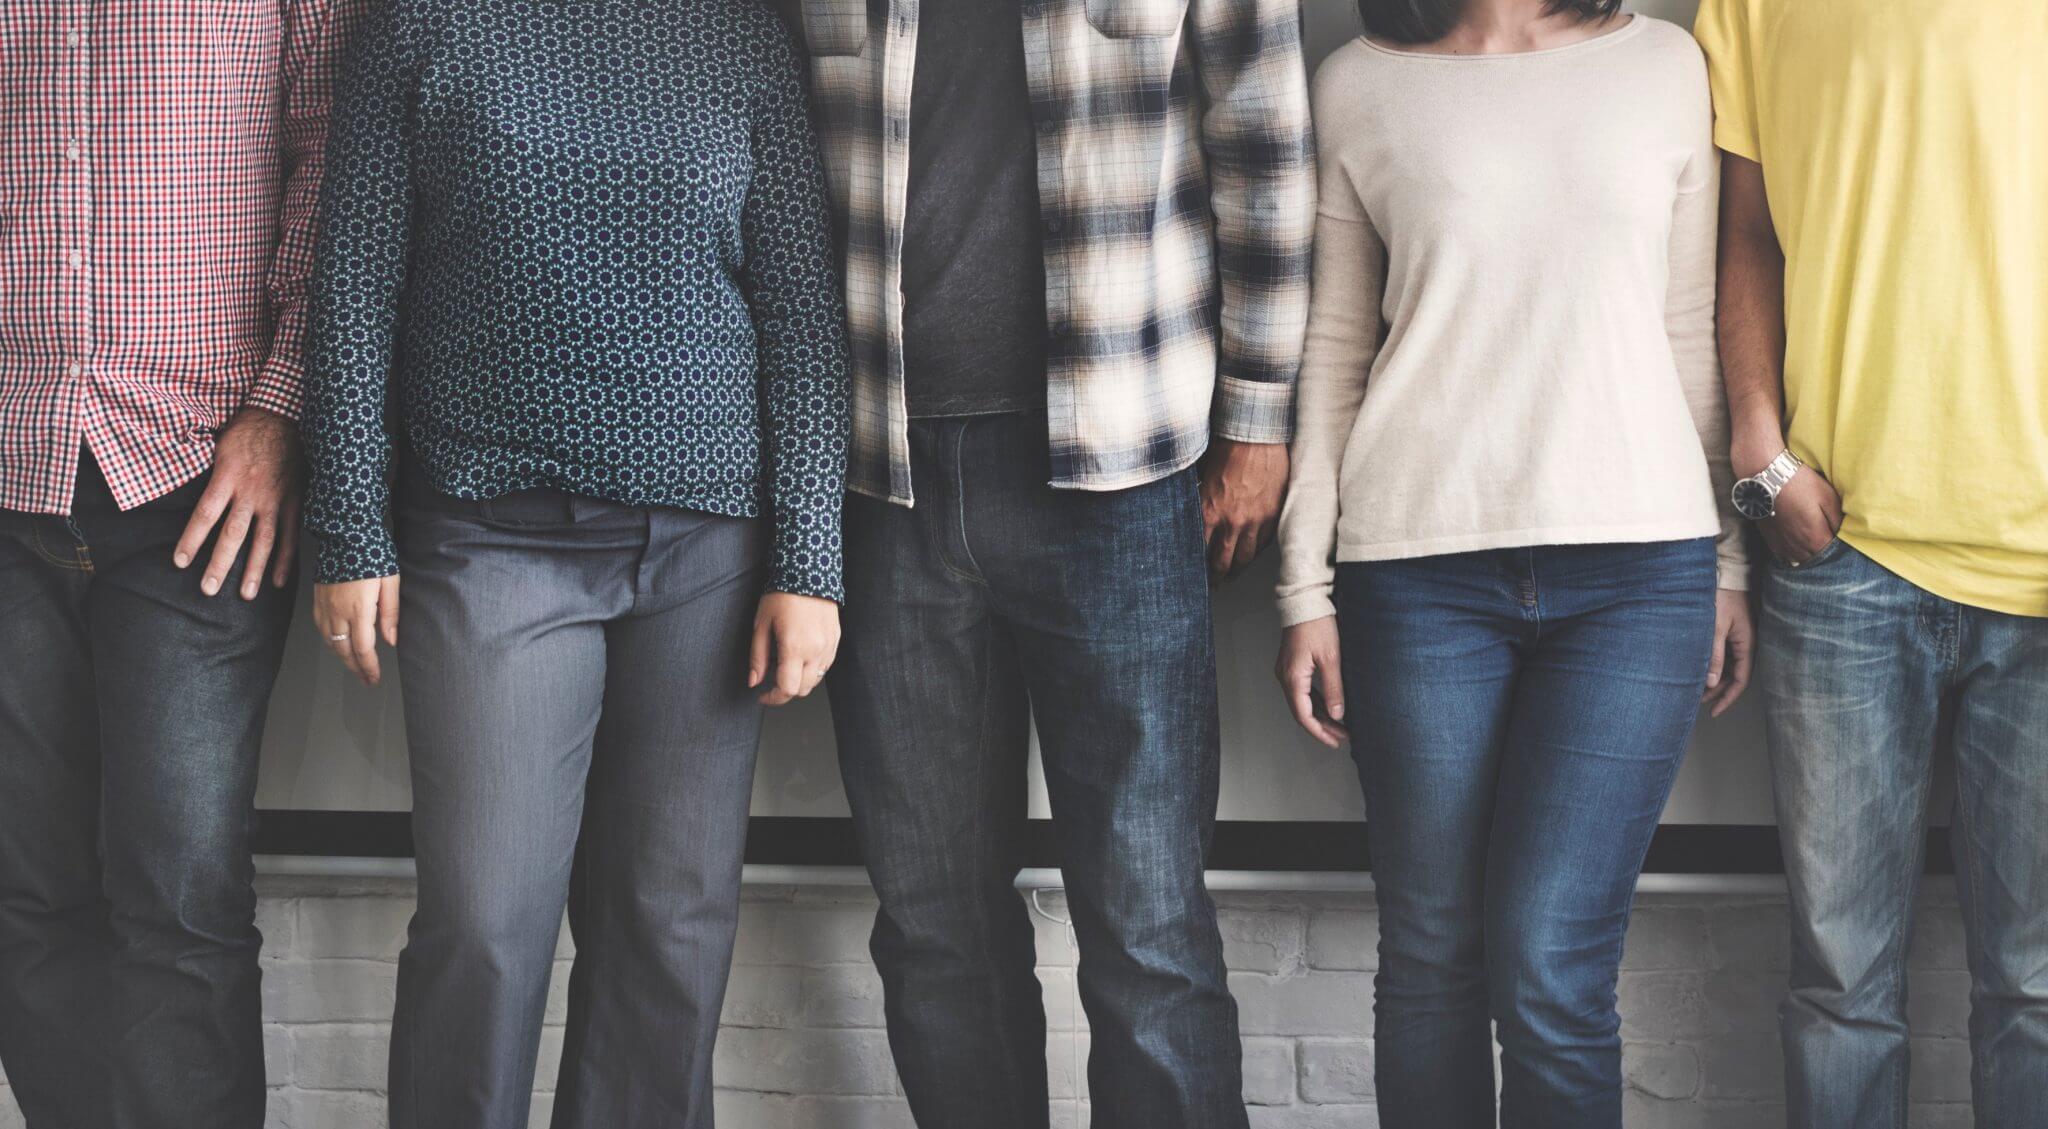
pixel 973 262
pixel 131 712
pixel 606 227
pixel 1902 146
pixel 1518 717
pixel 609 724
pixel 1863 674
pixel 1512 340
pixel 995 600
pixel 1512 440
pixel 1175 182
pixel 158 167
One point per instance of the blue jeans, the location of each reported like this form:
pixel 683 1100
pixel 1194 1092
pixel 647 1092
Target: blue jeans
pixel 131 712
pixel 1863 675
pixel 1518 717
pixel 995 600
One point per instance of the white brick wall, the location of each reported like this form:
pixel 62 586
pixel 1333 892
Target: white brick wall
pixel 803 1046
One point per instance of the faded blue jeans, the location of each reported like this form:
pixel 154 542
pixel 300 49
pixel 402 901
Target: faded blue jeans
pixel 1518 717
pixel 1863 674
pixel 998 599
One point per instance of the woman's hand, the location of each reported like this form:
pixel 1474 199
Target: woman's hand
pixel 795 638
pixel 351 616
pixel 1734 651
pixel 1309 663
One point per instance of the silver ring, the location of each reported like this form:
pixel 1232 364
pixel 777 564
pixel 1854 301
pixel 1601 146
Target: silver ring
pixel 337 638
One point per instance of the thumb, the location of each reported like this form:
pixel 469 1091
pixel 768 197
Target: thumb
pixel 1330 677
pixel 757 652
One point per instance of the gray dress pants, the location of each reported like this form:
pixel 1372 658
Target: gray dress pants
pixel 581 734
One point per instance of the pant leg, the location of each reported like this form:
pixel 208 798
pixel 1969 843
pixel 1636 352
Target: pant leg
pixel 2001 848
pixel 654 900
pixel 1108 596
pixel 1430 660
pixel 929 706
pixel 502 652
pixel 54 937
pixel 1603 710
pixel 183 682
pixel 1852 689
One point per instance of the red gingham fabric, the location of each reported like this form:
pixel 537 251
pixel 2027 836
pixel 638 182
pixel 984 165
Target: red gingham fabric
pixel 159 161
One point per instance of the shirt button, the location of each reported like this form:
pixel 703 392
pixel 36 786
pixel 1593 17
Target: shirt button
pixel 73 39
pixel 76 259
pixel 77 370
pixel 71 151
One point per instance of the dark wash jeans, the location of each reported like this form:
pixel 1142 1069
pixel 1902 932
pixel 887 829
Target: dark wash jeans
pixel 131 712
pixel 1862 675
pixel 581 736
pixel 1518 717
pixel 995 600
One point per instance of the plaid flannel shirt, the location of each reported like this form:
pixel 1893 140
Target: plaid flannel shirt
pixel 1176 176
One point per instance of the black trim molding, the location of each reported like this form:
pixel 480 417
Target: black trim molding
pixel 1241 844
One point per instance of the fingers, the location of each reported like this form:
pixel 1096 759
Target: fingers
pixel 1302 703
pixel 1741 651
pixel 287 551
pixel 789 681
pixel 1330 680
pixel 226 547
pixel 387 610
pixel 362 638
pixel 212 504
pixel 260 546
pixel 1714 660
pixel 334 633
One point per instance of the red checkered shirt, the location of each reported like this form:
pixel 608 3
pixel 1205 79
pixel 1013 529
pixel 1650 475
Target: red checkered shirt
pixel 158 166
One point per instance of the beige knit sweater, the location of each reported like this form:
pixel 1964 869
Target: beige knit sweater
pixel 1511 341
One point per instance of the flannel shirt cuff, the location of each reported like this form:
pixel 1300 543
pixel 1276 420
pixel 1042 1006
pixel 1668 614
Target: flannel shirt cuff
pixel 1250 411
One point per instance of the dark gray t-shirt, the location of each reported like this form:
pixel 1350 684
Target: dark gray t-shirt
pixel 973 265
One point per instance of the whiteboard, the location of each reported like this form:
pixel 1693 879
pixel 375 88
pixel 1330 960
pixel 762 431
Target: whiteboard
pixel 333 744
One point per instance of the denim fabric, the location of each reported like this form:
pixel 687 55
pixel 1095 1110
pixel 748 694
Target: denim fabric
pixel 999 599
pixel 581 735
pixel 131 712
pixel 1863 676
pixel 1518 717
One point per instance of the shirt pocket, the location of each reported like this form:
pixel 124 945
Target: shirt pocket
pixel 836 27
pixel 1136 19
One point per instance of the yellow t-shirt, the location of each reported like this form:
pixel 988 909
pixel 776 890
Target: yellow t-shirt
pixel 1904 145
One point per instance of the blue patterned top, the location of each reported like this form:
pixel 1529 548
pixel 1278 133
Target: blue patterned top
pixel 586 244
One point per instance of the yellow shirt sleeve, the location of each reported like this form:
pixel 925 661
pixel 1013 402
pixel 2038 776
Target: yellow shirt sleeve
pixel 1724 30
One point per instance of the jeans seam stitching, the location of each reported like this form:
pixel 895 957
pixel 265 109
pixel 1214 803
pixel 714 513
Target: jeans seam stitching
pixel 75 564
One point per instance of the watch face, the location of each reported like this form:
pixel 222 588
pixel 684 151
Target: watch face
pixel 1753 500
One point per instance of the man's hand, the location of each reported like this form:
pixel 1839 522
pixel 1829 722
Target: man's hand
pixel 795 639
pixel 1734 651
pixel 1809 510
pixel 351 617
pixel 1242 487
pixel 253 496
pixel 1310 665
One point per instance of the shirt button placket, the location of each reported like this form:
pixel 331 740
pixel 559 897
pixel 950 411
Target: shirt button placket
pixel 76 103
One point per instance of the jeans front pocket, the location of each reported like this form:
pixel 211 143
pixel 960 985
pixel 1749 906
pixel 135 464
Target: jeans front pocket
pixel 1828 552
pixel 1136 19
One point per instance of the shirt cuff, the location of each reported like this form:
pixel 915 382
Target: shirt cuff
pixel 355 556
pixel 280 388
pixel 1303 607
pixel 1251 411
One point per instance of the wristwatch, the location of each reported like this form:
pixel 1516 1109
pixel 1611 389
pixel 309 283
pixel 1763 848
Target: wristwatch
pixel 1756 497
